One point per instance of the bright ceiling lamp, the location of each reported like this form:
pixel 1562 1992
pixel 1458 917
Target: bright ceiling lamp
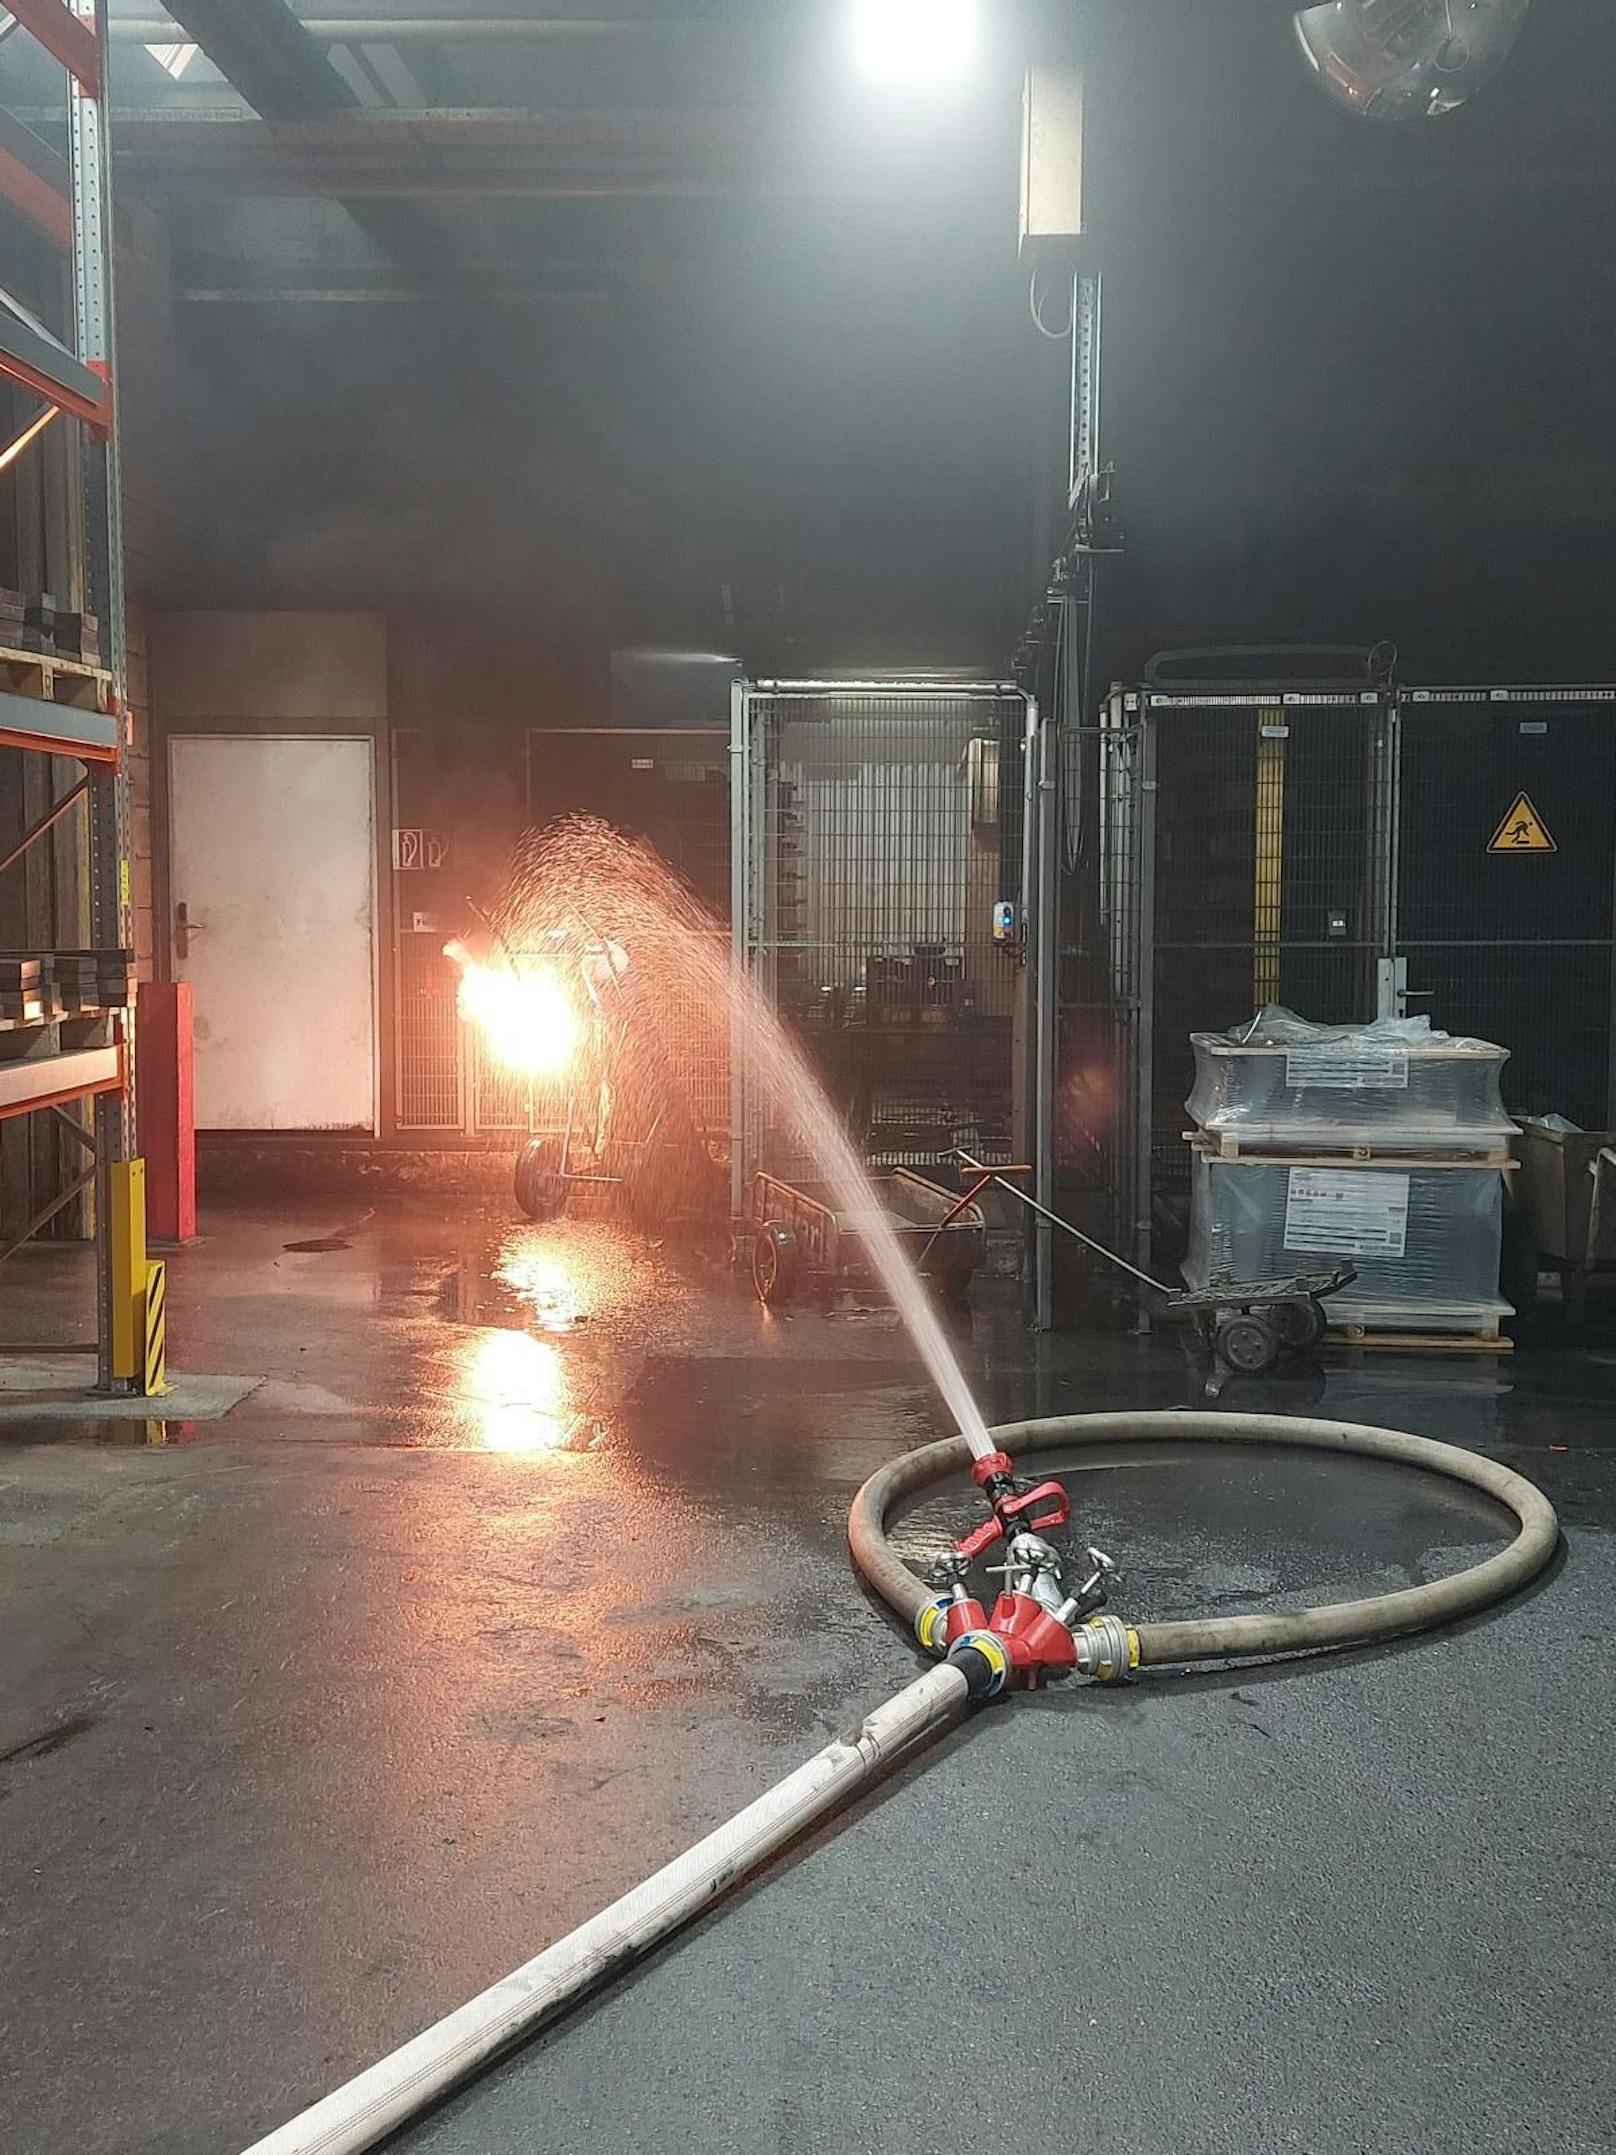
pixel 1407 59
pixel 914 40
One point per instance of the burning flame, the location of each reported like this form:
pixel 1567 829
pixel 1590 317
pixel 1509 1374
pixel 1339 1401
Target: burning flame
pixel 527 1019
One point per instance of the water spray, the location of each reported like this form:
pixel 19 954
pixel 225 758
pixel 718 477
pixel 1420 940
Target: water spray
pixel 1040 1626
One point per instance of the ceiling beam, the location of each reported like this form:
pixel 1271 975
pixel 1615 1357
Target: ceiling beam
pixel 65 36
pixel 262 50
pixel 696 150
pixel 437 29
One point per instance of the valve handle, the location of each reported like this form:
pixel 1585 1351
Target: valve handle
pixel 979 1538
pixel 1012 1511
pixel 1050 1493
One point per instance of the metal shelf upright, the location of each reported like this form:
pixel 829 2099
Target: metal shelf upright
pixel 60 707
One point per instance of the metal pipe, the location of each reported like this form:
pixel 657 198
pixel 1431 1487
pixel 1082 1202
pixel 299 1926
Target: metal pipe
pixel 43 1218
pixel 1046 979
pixel 51 815
pixel 35 427
pixel 1044 1212
pixel 423 2071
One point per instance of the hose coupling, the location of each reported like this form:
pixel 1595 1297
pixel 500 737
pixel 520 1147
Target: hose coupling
pixel 946 1619
pixel 982 1661
pixel 1107 1649
pixel 931 1623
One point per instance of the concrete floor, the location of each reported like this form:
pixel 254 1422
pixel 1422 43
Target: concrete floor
pixel 521 1565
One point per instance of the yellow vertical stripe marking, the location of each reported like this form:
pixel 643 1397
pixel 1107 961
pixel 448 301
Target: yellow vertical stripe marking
pixel 127 1231
pixel 1269 859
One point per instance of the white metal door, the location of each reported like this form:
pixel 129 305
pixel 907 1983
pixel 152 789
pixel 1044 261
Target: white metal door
pixel 272 875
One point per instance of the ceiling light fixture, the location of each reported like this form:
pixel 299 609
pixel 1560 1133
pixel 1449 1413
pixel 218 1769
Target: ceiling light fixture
pixel 913 40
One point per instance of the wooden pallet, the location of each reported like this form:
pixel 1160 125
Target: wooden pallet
pixel 1226 1148
pixel 1345 1337
pixel 49 679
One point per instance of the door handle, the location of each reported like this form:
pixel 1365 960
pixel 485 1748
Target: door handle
pixel 184 929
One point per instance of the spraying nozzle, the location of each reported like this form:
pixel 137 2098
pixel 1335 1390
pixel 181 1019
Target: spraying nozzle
pixel 1041 1627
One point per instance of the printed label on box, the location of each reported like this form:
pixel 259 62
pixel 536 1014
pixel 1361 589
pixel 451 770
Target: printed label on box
pixel 1343 1212
pixel 1344 1071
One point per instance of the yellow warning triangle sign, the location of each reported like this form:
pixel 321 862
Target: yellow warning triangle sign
pixel 1523 830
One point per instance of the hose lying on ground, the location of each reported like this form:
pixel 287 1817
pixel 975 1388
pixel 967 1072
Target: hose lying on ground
pixel 379 2100
pixel 422 2071
pixel 1233 1638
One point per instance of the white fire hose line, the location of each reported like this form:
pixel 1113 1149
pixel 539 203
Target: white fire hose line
pixel 425 2069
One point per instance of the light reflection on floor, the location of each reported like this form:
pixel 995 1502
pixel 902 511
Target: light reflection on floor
pixel 514 1389
pixel 550 1279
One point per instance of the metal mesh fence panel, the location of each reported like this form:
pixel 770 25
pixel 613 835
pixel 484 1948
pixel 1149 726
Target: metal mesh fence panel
pixel 670 787
pixel 1102 983
pixel 878 834
pixel 1505 918
pixel 1273 867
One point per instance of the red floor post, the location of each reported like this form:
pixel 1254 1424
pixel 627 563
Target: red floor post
pixel 165 1099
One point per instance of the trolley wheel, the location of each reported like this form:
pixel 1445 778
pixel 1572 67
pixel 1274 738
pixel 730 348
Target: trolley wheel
pixel 775 1263
pixel 1301 1324
pixel 541 1188
pixel 1248 1343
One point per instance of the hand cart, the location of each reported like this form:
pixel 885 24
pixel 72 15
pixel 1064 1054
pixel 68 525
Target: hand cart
pixel 1246 1324
pixel 617 1117
pixel 802 1239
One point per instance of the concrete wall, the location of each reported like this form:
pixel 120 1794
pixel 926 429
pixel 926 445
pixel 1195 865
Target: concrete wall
pixel 314 669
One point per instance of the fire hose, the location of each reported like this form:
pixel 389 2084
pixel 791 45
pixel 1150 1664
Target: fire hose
pixel 1037 1628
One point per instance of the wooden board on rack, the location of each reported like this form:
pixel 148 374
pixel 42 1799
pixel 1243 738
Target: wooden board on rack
pixel 37 1081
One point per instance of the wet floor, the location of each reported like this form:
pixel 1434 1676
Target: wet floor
pixel 521 1565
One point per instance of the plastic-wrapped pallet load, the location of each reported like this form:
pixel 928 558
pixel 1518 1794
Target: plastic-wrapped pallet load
pixel 1279 1083
pixel 1425 1240
pixel 1383 1143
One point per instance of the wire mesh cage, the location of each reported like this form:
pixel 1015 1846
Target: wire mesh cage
pixel 1505 915
pixel 1103 981
pixel 1274 871
pixel 877 856
pixel 669 787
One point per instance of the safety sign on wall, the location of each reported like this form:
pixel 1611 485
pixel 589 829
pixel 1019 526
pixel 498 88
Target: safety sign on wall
pixel 1523 830
pixel 1343 1212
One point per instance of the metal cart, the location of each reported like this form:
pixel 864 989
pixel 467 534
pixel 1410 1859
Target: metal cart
pixel 1246 1324
pixel 617 1118
pixel 801 1239
pixel 1562 1212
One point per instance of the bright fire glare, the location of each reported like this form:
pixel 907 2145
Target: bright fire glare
pixel 526 1019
